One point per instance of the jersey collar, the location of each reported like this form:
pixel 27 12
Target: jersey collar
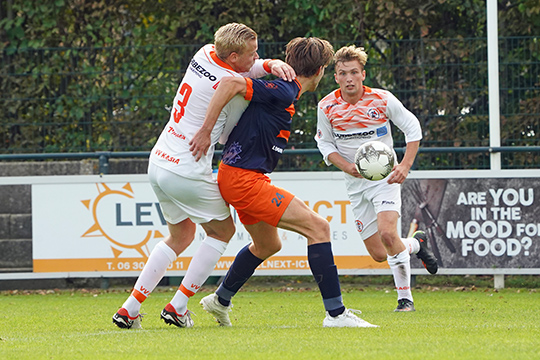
pixel 220 62
pixel 337 93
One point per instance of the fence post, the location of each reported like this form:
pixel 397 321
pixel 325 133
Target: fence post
pixel 104 162
pixel 498 280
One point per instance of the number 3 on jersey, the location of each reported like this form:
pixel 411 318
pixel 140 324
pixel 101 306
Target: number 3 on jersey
pixel 179 107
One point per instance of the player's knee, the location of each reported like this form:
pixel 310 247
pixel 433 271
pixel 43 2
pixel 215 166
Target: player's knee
pixel 321 229
pixel 325 228
pixel 179 242
pixel 264 251
pixel 224 232
pixel 388 237
pixel 228 233
pixel 379 257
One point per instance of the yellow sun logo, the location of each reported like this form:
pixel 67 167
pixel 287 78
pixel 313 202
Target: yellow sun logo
pixel 118 244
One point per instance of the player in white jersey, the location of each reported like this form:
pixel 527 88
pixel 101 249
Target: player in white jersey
pixel 348 117
pixel 187 192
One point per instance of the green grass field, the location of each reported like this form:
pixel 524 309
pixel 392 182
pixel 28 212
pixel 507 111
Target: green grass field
pixel 283 322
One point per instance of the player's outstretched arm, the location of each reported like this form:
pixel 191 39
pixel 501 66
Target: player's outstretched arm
pixel 401 170
pixel 227 89
pixel 342 164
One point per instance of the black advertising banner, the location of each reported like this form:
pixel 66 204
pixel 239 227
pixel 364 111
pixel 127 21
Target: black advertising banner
pixel 480 223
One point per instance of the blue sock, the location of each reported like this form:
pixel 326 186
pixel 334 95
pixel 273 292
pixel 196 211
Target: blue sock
pixel 242 268
pixel 321 262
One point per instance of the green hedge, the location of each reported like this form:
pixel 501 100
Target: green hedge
pixel 85 75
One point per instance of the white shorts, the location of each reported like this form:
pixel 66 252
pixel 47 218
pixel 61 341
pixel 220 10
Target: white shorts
pixel 181 198
pixel 368 198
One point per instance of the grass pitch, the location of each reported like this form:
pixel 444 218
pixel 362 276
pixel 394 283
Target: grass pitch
pixel 276 323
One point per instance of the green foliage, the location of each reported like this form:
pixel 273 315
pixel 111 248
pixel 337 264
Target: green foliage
pixel 85 75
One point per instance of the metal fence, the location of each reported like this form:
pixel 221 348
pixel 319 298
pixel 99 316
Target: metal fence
pixel 66 100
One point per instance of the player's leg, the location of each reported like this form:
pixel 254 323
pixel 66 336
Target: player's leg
pixel 378 207
pixel 375 248
pixel 266 242
pixel 399 259
pixel 418 244
pixel 166 186
pixel 163 254
pixel 300 218
pixel 253 194
pixel 202 264
pixel 206 207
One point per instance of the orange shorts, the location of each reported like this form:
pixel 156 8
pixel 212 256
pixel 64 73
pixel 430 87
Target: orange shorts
pixel 252 195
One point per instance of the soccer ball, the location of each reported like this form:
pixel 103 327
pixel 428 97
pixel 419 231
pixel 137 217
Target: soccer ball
pixel 374 160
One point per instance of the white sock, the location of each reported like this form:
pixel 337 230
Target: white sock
pixel 201 266
pixel 154 269
pixel 412 245
pixel 401 269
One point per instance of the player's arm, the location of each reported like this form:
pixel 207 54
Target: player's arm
pixel 281 69
pixel 409 124
pixel 228 87
pixel 275 67
pixel 401 170
pixel 327 147
pixel 341 163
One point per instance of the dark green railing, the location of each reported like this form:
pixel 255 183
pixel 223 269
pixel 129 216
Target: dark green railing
pixel 290 160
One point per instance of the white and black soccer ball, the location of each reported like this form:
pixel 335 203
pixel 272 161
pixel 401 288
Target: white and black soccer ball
pixel 374 160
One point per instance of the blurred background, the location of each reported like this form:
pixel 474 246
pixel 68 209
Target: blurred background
pixel 87 76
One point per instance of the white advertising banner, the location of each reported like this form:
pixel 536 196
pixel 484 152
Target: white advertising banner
pixel 110 224
pixel 478 222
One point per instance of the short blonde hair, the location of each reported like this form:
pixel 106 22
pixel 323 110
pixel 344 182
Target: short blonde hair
pixel 232 37
pixel 307 55
pixel 351 53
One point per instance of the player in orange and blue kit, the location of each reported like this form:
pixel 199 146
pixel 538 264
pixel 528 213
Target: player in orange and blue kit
pixel 252 150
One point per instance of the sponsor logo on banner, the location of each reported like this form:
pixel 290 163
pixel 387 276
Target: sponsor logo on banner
pixel 110 231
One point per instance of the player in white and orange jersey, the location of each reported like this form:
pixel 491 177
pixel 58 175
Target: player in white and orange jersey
pixel 348 117
pixel 187 192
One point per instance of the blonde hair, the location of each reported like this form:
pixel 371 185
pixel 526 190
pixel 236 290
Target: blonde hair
pixel 232 37
pixel 307 55
pixel 351 53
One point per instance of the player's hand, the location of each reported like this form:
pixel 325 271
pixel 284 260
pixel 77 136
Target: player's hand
pixel 282 70
pixel 200 144
pixel 351 170
pixel 399 174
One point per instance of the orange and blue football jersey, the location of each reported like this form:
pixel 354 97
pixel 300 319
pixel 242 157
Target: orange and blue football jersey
pixel 262 133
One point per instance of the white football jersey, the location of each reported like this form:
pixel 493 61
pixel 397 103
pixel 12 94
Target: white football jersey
pixel 343 127
pixel 203 74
